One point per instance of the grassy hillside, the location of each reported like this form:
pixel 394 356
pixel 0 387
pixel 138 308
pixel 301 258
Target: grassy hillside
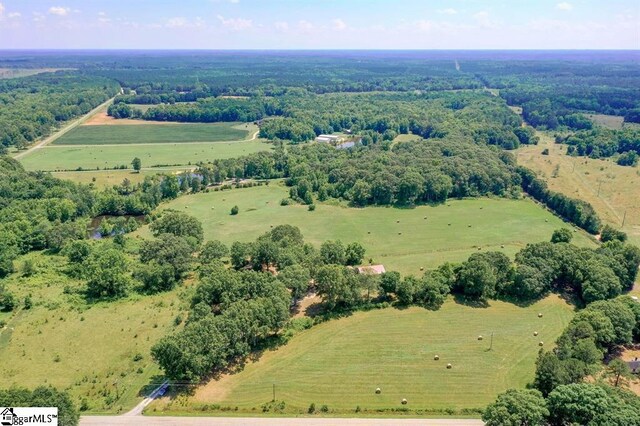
pixel 154 133
pixel 340 363
pixel 450 232
pixel 611 189
pixel 88 348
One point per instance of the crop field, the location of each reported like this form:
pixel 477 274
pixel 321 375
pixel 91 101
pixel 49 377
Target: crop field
pixel 153 133
pixel 340 363
pixel 108 178
pixel 613 190
pixel 425 236
pixel 52 158
pixel 88 348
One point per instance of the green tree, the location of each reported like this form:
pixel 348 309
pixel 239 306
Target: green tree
pixel 168 250
pixel 333 252
pixel 107 272
pixel 136 164
pixel 549 372
pixel 406 290
pixel 618 371
pixel 179 224
pixel 577 404
pixel 213 250
pixel 517 407
pixel 296 278
pixel 389 282
pixel 562 235
pixel 354 254
pixel 477 279
pixel 42 397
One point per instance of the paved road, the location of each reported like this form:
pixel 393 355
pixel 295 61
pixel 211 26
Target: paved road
pixel 75 123
pixel 265 421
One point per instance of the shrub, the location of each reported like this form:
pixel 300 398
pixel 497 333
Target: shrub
pixel 234 210
pixel 311 207
pixel 324 409
pixel 312 408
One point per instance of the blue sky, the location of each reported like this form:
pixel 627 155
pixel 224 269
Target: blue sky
pixel 320 24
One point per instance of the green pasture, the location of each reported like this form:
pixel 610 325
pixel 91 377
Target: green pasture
pixel 425 236
pixel 114 134
pixel 340 363
pixel 52 158
pixel 87 348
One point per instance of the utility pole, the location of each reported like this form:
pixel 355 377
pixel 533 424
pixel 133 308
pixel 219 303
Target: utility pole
pixel 491 344
pixel 274 392
pixel 624 218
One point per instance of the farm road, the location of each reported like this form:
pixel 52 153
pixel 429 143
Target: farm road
pixel 266 421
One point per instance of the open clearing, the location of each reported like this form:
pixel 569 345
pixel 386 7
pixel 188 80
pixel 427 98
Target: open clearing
pixel 340 363
pixel 52 158
pixel 615 122
pixel 108 178
pixel 87 348
pixel 581 177
pixel 484 222
pixel 154 133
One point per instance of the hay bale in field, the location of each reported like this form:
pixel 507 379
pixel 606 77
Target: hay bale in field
pixel 437 357
pixel 378 390
pixel 540 315
pixel 480 337
pixel 449 366
pixel 541 343
pixel 535 333
pixel 404 401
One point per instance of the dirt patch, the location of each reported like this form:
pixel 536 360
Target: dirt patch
pixel 101 119
pixel 307 306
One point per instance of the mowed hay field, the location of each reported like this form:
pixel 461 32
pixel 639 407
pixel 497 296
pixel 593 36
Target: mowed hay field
pixel 581 177
pixel 108 178
pixel 340 363
pixel 113 134
pixel 407 246
pixel 58 158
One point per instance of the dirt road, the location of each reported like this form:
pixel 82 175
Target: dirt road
pixel 75 123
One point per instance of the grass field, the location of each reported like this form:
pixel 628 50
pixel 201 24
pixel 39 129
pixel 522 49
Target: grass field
pixel 611 189
pixel 485 223
pixel 610 121
pixel 108 178
pixel 52 158
pixel 154 133
pixel 86 348
pixel 340 363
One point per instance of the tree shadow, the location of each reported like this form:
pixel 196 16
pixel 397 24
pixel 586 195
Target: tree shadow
pixel 154 382
pixel 472 303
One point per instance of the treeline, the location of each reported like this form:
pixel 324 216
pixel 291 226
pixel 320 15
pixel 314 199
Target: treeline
pixel 576 211
pixel 31 107
pixel 209 110
pixel 603 143
pixel 42 396
pixel 234 311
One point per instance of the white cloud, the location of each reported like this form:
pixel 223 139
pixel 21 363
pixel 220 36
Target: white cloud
pixel 1 8
pixel 483 19
pixel 448 11
pixel 14 15
pixel 564 6
pixel 176 22
pixel 305 25
pixel 339 24
pixel 282 26
pixel 38 17
pixel 235 24
pixel 59 10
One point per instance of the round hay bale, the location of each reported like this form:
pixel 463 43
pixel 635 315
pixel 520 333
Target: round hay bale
pixel 437 357
pixel 502 246
pixel 378 390
pixel 449 224
pixel 469 226
pixel 449 366
pixel 368 232
pixel 480 337
pixel 397 221
pixel 546 220
pixel 535 333
pixel 404 401
pixel 540 315
pixel 422 268
pixel 425 217
pixel 541 343
pixel 399 233
pixel 479 248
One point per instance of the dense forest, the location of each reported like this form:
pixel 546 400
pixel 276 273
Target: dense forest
pixel 31 107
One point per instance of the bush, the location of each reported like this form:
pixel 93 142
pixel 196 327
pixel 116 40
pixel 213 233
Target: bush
pixel 311 207
pixel 324 409
pixel 234 210
pixel 284 202
pixel 312 408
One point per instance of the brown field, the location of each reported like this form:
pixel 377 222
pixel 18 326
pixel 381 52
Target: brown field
pixel 613 190
pixel 101 119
